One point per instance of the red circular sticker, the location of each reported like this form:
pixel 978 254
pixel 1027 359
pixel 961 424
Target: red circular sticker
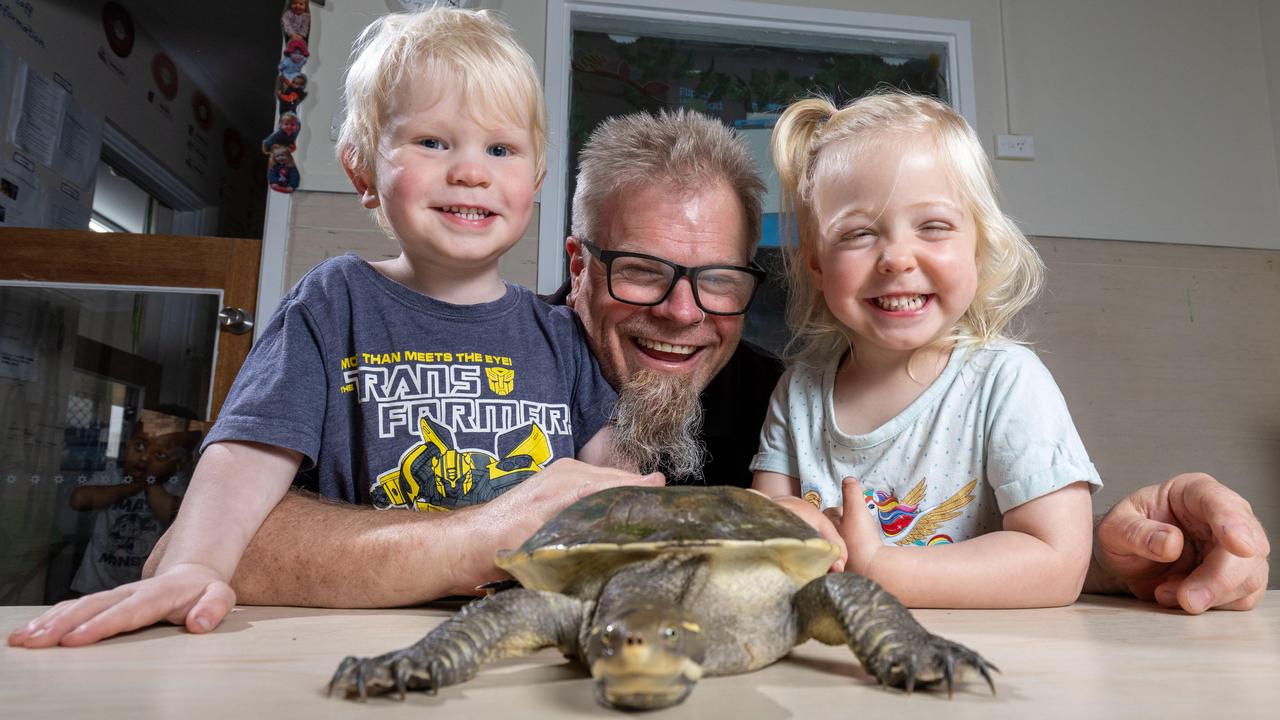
pixel 233 148
pixel 202 109
pixel 118 26
pixel 165 74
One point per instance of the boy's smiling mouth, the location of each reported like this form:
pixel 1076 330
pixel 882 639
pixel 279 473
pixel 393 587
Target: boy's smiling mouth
pixel 465 212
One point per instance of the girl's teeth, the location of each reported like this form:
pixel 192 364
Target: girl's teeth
pixel 898 303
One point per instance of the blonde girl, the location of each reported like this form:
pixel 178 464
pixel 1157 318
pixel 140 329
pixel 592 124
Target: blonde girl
pixel 941 452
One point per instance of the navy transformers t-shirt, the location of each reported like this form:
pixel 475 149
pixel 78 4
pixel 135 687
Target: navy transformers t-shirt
pixel 400 400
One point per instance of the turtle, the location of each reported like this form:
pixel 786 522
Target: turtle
pixel 653 588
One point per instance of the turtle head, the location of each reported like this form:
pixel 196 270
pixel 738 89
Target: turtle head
pixel 645 656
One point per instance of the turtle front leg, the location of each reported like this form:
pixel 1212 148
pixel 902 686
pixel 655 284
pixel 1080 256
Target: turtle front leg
pixel 507 624
pixel 849 609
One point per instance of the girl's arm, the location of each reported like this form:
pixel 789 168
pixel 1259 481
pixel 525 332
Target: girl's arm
pixel 234 487
pixel 1038 559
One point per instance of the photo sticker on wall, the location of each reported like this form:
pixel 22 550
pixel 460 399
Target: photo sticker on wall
pixel 117 25
pixel 165 73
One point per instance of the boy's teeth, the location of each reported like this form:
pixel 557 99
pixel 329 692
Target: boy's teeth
pixel 666 347
pixel 467 213
pixel 897 303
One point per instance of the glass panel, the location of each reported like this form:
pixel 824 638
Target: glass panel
pixel 745 77
pixel 103 394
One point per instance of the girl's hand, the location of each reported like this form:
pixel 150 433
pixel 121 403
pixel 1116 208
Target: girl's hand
pixel 820 522
pixel 858 529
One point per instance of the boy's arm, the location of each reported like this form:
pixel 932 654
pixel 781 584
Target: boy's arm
pixel 234 487
pixel 314 552
pixel 599 449
pixel 1038 559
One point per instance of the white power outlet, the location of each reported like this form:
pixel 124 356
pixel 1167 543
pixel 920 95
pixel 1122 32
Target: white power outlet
pixel 1015 147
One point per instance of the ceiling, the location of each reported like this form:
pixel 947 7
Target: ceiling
pixel 229 47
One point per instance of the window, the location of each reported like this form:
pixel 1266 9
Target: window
pixel 740 62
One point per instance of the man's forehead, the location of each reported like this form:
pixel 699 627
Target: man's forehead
pixel 665 217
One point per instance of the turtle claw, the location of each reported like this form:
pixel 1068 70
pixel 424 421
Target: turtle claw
pixel 930 662
pixel 362 677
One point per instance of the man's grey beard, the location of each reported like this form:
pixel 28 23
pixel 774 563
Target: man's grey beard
pixel 656 426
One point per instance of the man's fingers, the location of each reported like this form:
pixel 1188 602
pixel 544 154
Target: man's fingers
pixel 1223 580
pixel 1196 498
pixel 1138 536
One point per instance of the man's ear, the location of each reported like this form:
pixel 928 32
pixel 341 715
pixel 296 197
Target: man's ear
pixel 361 181
pixel 573 248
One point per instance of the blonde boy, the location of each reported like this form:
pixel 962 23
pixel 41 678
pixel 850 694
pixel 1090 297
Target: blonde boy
pixel 422 382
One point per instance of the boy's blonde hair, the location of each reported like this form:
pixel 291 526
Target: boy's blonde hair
pixel 472 49
pixel 814 139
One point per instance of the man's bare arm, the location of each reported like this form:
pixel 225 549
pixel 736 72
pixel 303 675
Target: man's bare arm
pixel 315 552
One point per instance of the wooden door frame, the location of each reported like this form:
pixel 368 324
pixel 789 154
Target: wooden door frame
pixel 75 256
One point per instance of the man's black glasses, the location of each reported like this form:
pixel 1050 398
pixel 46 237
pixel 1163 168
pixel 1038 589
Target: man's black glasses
pixel 638 279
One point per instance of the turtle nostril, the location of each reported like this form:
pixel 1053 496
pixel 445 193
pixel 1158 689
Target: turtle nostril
pixel 634 640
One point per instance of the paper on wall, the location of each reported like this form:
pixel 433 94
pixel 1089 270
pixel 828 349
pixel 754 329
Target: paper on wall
pixel 39 105
pixel 79 146
pixel 65 210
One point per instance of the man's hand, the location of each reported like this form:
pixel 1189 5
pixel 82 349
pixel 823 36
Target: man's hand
pixel 189 594
pixel 1190 541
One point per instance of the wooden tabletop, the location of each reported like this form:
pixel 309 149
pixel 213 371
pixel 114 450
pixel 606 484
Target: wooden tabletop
pixel 1102 657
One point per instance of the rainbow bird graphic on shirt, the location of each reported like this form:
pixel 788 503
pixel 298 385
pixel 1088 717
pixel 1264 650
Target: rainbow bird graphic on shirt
pixel 905 522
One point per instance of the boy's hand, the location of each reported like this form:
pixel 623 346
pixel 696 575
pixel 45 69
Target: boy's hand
pixel 820 522
pixel 858 529
pixel 188 594
pixel 514 516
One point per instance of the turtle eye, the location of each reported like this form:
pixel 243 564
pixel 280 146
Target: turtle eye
pixel 609 638
pixel 670 635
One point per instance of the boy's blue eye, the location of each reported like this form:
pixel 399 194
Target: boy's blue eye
pixel 431 143
pixel 500 151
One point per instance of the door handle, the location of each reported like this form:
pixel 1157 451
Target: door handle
pixel 235 320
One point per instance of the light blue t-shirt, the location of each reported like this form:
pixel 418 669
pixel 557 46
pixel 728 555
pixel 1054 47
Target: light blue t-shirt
pixel 989 434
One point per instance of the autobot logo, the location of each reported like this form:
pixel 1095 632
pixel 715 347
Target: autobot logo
pixel 501 380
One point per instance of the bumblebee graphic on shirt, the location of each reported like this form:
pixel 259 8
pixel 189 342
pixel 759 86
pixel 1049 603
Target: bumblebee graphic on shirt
pixel 435 475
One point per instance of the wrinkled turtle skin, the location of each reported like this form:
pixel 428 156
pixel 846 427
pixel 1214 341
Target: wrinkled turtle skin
pixel 653 588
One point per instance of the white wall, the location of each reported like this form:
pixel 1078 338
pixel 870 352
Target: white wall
pixel 67 40
pixel 1269 24
pixel 1153 120
pixel 333 28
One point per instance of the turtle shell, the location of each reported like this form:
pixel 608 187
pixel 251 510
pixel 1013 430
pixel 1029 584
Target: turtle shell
pixel 591 538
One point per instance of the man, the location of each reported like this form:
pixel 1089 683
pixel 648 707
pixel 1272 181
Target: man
pixel 686 184
pixel 691 205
